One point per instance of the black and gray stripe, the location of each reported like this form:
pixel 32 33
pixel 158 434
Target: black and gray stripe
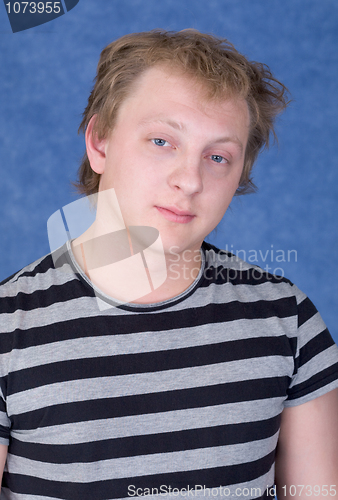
pixel 185 392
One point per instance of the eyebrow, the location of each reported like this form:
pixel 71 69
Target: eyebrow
pixel 167 121
pixel 180 126
pixel 230 139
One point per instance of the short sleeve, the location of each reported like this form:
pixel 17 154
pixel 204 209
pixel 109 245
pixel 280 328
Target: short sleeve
pixel 316 355
pixel 4 421
pixel 6 337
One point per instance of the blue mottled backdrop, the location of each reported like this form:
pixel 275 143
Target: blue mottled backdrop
pixel 46 74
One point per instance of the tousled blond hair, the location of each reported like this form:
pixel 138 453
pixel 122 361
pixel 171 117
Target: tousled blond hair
pixel 212 61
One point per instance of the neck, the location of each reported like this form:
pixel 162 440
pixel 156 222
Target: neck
pixel 180 275
pixel 129 269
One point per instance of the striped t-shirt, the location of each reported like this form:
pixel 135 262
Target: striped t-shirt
pixel 178 398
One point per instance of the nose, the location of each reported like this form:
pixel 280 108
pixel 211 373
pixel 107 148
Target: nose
pixel 187 175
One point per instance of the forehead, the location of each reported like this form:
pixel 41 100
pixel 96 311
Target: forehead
pixel 162 92
pixel 166 80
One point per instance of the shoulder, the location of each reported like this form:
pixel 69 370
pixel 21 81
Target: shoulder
pixel 35 269
pixel 274 308
pixel 25 282
pixel 51 269
pixel 250 281
pixel 274 303
pixel 253 284
pixel 34 289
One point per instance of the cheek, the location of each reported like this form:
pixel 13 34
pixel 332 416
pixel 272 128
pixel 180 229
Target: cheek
pixel 116 169
pixel 220 200
pixel 222 192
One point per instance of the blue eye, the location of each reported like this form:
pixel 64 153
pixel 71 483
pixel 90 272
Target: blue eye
pixel 217 158
pixel 159 142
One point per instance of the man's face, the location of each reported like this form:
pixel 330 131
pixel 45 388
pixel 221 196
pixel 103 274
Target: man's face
pixel 175 158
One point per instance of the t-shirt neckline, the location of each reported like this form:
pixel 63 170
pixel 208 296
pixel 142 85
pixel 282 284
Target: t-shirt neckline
pixel 110 301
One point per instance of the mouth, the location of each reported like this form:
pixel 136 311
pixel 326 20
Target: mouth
pixel 174 215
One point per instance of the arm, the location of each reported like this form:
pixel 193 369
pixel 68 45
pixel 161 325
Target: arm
pixel 3 456
pixel 307 451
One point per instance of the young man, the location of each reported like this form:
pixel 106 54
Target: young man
pixel 193 374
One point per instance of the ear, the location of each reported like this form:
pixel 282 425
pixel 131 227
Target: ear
pixel 96 149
